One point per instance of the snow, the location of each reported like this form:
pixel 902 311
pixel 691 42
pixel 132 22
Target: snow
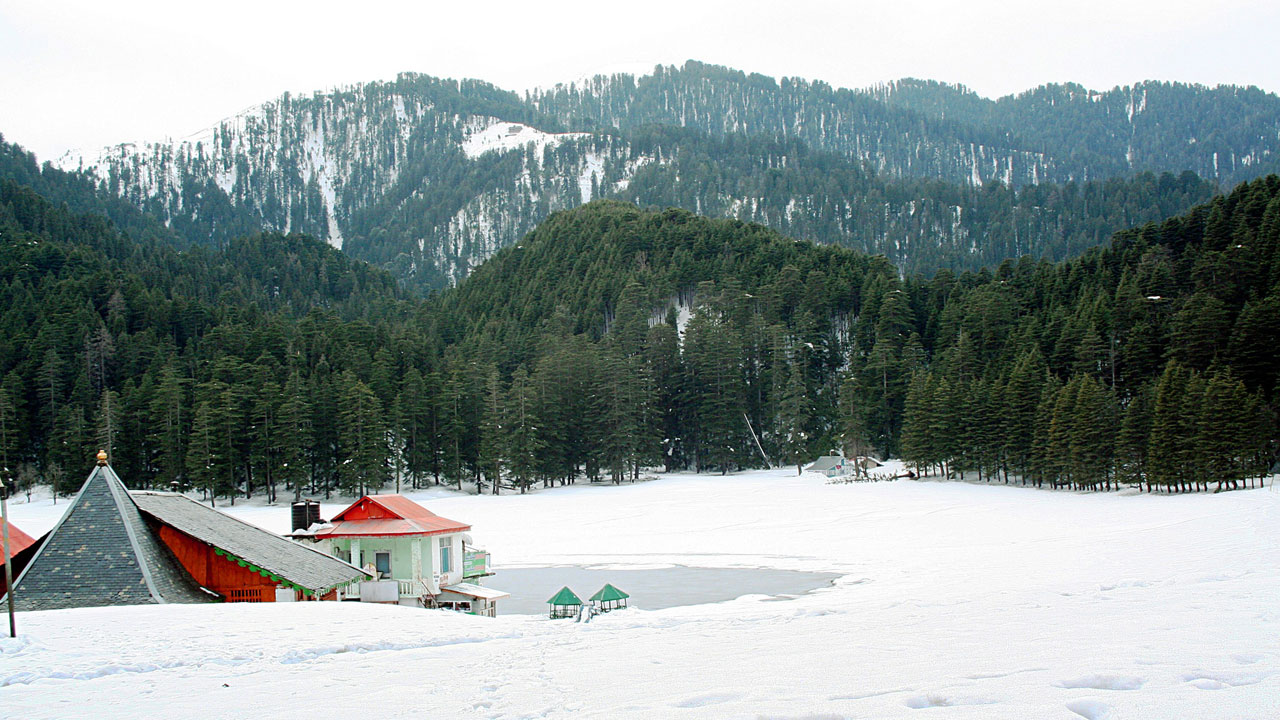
pixel 964 600
pixel 592 171
pixel 493 135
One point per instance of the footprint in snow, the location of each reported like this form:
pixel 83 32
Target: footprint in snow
pixel 932 700
pixel 1104 682
pixel 1090 709
pixel 707 699
pixel 1221 680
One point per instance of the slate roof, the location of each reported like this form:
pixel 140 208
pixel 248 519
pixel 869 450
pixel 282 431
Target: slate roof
pixel 102 553
pixel 825 463
pixel 301 565
pixel 388 515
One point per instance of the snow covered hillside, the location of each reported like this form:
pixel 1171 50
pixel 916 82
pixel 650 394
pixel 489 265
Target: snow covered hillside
pixel 969 601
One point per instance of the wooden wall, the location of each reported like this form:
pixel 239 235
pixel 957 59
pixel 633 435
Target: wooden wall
pixel 223 576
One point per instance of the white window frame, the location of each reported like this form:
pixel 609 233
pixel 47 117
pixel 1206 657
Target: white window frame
pixel 446 554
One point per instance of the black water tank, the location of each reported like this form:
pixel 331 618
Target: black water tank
pixel 305 514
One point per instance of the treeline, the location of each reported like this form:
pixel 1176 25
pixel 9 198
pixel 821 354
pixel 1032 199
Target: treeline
pixel 1149 363
pixel 613 339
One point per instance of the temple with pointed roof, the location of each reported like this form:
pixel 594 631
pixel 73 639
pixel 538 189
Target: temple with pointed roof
pixel 102 553
pixel 114 547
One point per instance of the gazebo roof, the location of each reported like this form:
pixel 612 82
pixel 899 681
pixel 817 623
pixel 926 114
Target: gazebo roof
pixel 565 597
pixel 609 593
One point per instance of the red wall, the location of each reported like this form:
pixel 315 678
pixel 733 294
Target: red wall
pixel 223 576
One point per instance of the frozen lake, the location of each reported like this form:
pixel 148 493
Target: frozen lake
pixel 649 588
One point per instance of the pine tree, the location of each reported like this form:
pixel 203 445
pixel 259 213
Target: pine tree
pixel 1061 428
pixel 202 459
pixel 1168 428
pixel 493 431
pixel 1093 430
pixel 1131 444
pixel 167 424
pixel 108 421
pixel 10 427
pixel 416 417
pixel 794 417
pixel 522 441
pixel 295 439
pixel 1018 415
pixel 915 445
pixel 363 460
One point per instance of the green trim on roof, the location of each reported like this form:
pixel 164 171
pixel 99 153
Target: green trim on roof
pixel 609 593
pixel 565 597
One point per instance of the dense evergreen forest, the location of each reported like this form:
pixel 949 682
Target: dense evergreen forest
pixel 1151 362
pixel 614 338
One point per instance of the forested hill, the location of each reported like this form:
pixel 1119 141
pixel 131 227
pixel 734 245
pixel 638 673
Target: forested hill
pixel 197 367
pixel 1151 362
pixel 615 338
pixel 1053 133
pixel 428 177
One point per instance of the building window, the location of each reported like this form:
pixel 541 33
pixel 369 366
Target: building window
pixel 382 561
pixel 446 545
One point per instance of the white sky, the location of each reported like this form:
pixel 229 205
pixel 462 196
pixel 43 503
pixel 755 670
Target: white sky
pixel 88 74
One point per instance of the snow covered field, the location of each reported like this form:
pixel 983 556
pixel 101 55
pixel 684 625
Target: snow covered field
pixel 953 601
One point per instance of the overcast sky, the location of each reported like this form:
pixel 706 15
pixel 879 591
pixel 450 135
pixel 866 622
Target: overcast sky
pixel 88 74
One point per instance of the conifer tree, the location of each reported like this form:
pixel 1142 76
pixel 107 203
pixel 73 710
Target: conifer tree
pixel 522 441
pixel 203 460
pixel 1092 434
pixel 794 417
pixel 363 459
pixel 493 431
pixel 167 424
pixel 295 439
pixel 1168 428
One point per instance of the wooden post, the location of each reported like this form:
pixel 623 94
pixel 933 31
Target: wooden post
pixel 8 564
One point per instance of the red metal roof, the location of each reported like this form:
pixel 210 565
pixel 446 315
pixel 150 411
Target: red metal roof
pixel 389 515
pixel 18 541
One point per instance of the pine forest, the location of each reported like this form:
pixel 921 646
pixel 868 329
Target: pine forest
pixel 613 337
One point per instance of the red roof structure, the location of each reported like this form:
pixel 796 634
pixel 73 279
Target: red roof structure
pixel 383 515
pixel 18 541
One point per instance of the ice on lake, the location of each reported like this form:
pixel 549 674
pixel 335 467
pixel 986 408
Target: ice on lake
pixel 650 588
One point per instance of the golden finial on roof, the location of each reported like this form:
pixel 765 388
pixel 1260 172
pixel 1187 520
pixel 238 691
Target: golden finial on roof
pixel 102 458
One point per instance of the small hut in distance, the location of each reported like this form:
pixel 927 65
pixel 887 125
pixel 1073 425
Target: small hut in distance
pixel 610 598
pixel 564 604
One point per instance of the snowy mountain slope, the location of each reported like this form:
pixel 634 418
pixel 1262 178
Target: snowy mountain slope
pixel 970 601
pixel 428 177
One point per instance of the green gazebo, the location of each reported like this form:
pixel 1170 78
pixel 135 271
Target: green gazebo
pixel 564 604
pixel 610 598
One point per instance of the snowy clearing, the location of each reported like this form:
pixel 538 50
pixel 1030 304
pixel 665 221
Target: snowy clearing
pixel 953 600
pixel 493 135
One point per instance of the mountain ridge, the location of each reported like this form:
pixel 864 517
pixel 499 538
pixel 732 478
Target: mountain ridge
pixel 393 171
